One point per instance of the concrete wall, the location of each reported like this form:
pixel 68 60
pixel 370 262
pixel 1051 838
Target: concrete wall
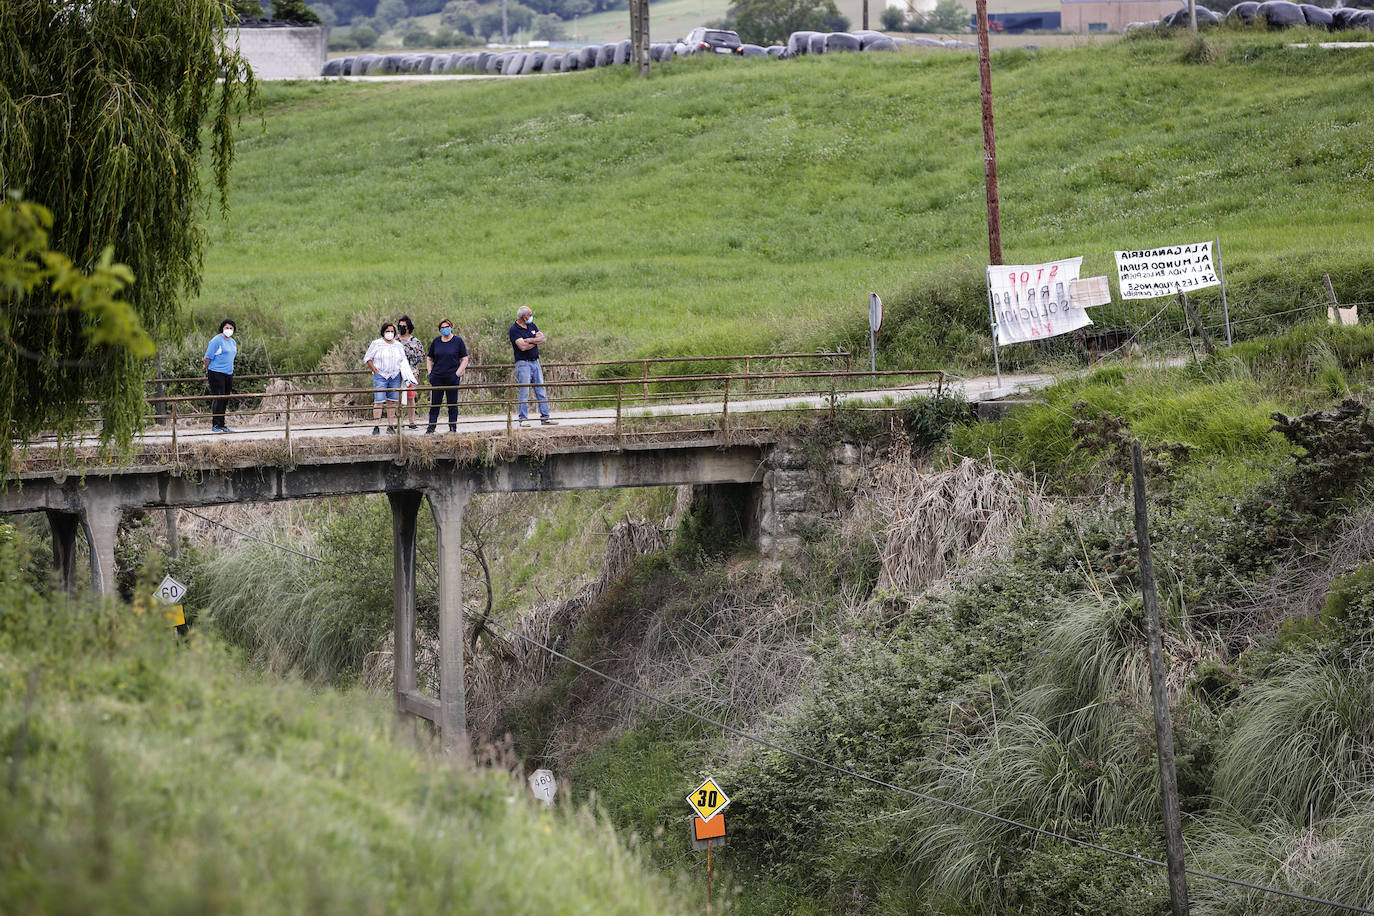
pixel 286 53
pixel 1112 15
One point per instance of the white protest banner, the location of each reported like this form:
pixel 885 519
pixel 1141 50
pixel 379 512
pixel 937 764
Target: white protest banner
pixel 1031 301
pixel 1166 271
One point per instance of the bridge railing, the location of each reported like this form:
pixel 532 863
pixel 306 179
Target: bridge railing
pixel 284 424
pixel 652 372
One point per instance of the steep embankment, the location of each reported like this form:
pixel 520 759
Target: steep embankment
pixel 939 630
pixel 142 775
pixel 728 206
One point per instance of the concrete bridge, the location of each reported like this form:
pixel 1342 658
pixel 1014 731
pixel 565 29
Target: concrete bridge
pixel 763 481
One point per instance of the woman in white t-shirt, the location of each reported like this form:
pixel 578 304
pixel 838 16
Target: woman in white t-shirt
pixel 386 357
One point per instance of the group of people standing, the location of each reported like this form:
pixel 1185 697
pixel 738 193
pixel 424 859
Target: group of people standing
pixel 395 359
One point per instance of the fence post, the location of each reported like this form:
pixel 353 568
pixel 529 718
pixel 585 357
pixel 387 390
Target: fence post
pixel 175 456
pixel 725 411
pixel 619 396
pixel 510 406
pixel 1193 317
pixel 288 424
pixel 1164 735
pixel 645 364
pixel 746 375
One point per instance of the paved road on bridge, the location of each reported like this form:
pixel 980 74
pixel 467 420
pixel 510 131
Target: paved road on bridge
pixel 572 422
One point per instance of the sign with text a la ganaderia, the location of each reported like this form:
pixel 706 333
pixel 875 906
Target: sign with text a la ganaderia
pixel 1151 273
pixel 1031 301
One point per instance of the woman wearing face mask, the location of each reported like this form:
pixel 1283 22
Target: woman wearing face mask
pixel 387 360
pixel 447 359
pixel 219 371
pixel 415 355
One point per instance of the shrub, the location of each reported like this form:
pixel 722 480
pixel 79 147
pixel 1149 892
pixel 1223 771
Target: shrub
pixel 364 36
pixel 892 19
pixel 417 37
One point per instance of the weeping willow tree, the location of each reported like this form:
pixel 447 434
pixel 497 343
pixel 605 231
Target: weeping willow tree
pixel 104 107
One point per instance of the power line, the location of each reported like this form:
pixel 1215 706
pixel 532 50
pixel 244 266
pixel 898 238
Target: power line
pixel 252 537
pixel 864 777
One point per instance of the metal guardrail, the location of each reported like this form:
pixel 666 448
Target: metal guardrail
pixel 625 408
pixel 553 370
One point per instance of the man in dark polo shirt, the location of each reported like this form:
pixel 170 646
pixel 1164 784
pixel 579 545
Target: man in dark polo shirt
pixel 525 338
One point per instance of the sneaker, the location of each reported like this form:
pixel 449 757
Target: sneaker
pixel 217 429
pixel 429 429
pixel 376 430
pixel 225 429
pixel 391 429
pixel 545 421
pixel 412 426
pixel 522 421
pixel 453 427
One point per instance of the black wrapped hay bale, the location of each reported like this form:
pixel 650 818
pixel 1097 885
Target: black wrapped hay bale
pixel 1280 14
pixel 841 41
pixel 799 43
pixel 333 67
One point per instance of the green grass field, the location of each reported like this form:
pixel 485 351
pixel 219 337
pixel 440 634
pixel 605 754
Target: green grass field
pixel 728 206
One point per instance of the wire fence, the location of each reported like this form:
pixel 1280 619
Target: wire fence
pixel 1158 328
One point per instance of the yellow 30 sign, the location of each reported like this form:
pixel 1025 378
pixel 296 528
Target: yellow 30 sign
pixel 707 800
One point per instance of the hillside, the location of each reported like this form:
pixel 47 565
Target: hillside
pixel 151 776
pixel 722 206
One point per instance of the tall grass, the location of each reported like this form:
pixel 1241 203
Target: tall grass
pixel 1304 743
pixel 144 774
pixel 750 205
pixel 1224 423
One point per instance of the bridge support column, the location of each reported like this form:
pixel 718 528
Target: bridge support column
pixel 100 520
pixel 405 507
pixel 64 525
pixel 448 504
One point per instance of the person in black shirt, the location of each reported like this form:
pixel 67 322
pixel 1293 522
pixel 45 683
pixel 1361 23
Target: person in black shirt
pixel 525 338
pixel 447 359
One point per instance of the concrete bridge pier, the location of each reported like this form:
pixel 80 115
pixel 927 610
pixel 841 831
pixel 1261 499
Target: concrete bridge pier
pixel 405 507
pixel 99 519
pixel 448 504
pixel 64 525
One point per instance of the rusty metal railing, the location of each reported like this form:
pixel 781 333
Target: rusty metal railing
pixel 620 410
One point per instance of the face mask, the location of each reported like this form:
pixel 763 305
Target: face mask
pixel 403 329
pixel 446 331
pixel 389 335
pixel 228 332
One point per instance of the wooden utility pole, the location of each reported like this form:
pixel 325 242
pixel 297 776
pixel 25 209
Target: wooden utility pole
pixel 643 37
pixel 989 144
pixel 639 35
pixel 865 14
pixel 1164 733
pixel 1192 18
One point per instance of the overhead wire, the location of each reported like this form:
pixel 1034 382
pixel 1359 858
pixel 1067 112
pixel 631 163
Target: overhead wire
pixel 864 777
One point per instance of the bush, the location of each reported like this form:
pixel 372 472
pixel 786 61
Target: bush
pixel 417 37
pixel 892 19
pixel 364 36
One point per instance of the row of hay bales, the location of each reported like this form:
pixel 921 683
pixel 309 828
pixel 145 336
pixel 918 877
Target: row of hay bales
pixel 1272 14
pixel 520 63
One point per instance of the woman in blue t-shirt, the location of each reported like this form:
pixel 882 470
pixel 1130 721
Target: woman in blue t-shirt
pixel 447 359
pixel 219 371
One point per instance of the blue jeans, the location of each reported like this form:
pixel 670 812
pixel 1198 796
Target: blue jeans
pixel 527 373
pixel 386 389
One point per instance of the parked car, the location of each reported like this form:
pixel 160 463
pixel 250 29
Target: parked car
pixel 718 41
